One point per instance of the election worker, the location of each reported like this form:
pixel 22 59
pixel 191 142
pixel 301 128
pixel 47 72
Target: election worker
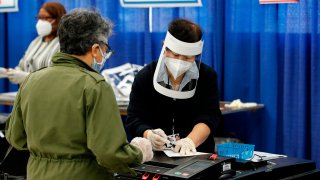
pixel 42 48
pixel 176 97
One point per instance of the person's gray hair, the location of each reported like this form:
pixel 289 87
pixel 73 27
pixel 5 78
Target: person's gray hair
pixel 82 28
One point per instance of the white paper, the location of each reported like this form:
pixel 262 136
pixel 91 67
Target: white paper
pixel 8 96
pixel 170 153
pixel 3 73
pixel 238 104
pixel 263 156
pixel 1 134
pixel 3 117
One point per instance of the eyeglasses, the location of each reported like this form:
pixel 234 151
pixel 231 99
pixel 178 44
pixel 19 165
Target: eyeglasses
pixel 46 18
pixel 109 51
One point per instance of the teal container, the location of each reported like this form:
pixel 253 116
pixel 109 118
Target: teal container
pixel 236 150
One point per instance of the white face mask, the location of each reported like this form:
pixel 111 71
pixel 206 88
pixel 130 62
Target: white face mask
pixel 177 66
pixel 44 28
pixel 98 66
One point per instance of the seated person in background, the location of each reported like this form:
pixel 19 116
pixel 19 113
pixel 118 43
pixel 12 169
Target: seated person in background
pixel 176 95
pixel 67 116
pixel 41 49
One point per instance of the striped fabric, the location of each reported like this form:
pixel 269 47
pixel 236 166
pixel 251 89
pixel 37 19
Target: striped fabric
pixel 38 54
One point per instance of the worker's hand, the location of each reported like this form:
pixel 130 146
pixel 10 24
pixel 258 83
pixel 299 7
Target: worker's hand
pixel 158 139
pixel 16 76
pixel 145 147
pixel 185 146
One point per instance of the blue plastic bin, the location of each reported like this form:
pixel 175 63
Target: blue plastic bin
pixel 236 150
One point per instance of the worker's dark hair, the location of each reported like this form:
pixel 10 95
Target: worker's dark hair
pixel 56 11
pixel 185 30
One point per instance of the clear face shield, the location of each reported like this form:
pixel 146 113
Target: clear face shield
pixel 177 71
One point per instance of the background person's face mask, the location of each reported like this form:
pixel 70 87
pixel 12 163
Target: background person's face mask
pixel 44 28
pixel 98 66
pixel 177 66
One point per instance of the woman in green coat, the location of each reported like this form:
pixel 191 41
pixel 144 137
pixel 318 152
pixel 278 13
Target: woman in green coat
pixel 66 114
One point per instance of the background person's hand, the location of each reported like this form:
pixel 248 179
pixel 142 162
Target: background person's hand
pixel 145 147
pixel 185 146
pixel 16 76
pixel 158 139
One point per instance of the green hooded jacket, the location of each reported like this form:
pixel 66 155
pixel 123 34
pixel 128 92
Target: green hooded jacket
pixel 67 117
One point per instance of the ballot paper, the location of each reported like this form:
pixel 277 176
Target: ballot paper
pixel 263 156
pixel 171 153
pixel 121 78
pixel 3 73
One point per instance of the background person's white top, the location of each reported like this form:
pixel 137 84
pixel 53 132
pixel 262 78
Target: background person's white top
pixel 38 54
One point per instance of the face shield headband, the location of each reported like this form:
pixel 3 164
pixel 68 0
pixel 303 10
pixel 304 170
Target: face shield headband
pixel 182 48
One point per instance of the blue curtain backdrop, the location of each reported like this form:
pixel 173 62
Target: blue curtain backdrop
pixel 269 54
